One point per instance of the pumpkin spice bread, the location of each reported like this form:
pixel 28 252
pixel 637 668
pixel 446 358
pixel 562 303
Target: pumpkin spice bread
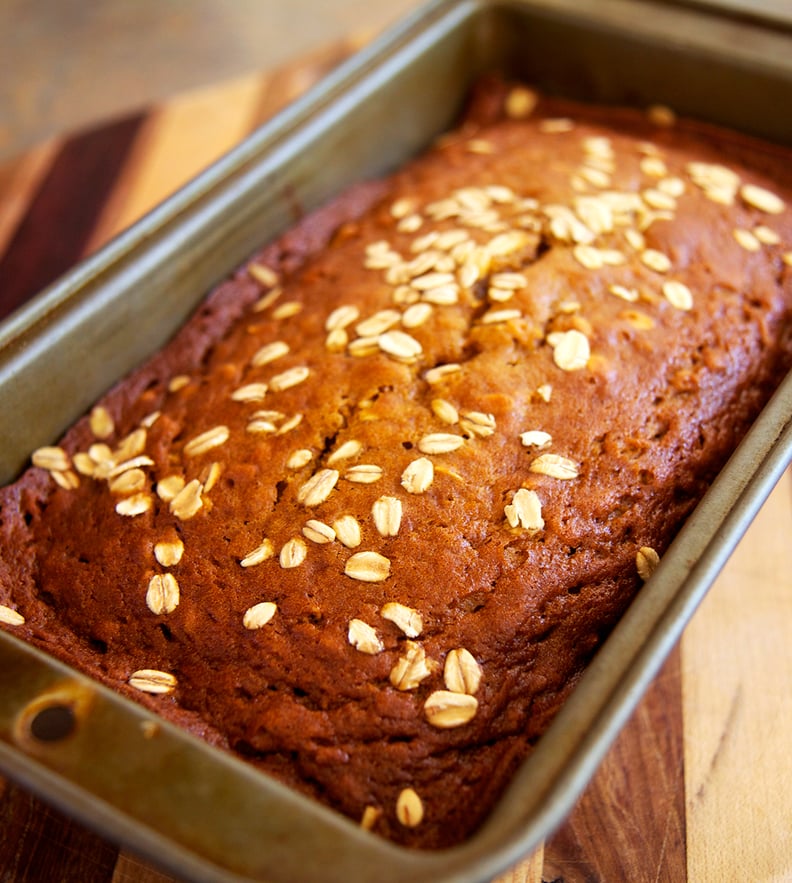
pixel 369 515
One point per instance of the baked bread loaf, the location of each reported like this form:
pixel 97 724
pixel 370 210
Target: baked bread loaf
pixel 369 515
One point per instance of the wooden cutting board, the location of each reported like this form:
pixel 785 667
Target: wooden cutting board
pixel 697 788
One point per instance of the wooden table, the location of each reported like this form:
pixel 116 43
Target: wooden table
pixel 699 785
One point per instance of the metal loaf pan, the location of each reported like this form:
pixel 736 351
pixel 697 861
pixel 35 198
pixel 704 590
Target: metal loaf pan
pixel 196 811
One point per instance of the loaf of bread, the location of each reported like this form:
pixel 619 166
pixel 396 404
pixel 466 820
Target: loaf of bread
pixel 369 515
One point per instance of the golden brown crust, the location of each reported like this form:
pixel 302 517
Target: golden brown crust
pixel 378 504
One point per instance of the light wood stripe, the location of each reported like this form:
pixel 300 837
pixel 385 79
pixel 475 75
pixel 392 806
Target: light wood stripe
pixel 129 869
pixel 192 131
pixel 177 142
pixel 737 705
pixel 528 871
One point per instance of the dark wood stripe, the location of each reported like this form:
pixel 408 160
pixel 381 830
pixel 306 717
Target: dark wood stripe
pixel 630 822
pixel 19 179
pixel 55 230
pixel 37 844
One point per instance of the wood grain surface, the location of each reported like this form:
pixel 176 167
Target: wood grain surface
pixel 697 788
